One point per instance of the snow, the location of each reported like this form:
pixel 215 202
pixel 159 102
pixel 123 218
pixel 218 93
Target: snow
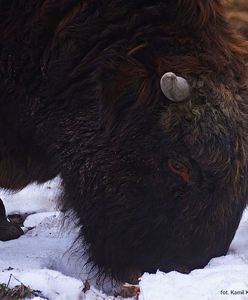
pixel 49 259
pixel 33 199
pixel 229 273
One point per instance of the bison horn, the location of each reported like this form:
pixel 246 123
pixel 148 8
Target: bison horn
pixel 175 88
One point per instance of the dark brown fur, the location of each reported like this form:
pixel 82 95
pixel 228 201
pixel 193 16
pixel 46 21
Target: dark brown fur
pixel 80 97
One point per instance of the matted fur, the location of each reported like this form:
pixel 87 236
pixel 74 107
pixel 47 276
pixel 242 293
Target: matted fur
pixel 80 96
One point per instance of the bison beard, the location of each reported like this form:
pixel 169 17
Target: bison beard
pixel 155 184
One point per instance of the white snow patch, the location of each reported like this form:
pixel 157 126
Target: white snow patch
pixel 33 199
pixel 36 219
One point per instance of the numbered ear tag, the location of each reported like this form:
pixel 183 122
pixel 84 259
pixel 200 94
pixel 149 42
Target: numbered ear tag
pixel 179 169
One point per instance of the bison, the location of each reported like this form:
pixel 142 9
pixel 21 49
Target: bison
pixel 142 108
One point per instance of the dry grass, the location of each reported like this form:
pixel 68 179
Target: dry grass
pixel 19 292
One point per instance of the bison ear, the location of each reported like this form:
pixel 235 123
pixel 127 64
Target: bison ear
pixel 175 88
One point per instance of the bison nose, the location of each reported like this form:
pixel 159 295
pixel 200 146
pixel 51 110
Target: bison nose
pixel 175 88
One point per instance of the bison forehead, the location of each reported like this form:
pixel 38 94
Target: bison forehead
pixel 212 129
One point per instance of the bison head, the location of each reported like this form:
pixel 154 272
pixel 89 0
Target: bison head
pixel 163 183
pixel 158 146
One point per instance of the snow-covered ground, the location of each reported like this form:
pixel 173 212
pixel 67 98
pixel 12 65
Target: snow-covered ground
pixel 47 258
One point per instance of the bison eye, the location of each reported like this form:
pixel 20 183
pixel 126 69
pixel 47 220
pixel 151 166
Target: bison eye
pixel 180 169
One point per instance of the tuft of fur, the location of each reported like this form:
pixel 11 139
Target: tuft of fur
pixel 237 13
pixel 80 96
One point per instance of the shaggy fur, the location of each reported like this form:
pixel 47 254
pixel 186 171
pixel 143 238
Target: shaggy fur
pixel 80 96
pixel 238 14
